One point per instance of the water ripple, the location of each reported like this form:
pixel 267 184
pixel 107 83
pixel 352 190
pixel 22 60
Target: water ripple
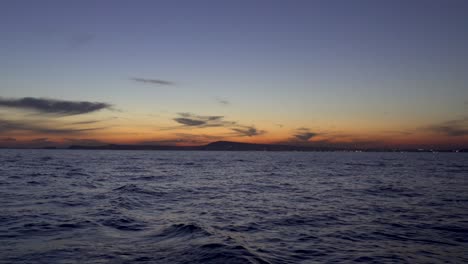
pixel 59 206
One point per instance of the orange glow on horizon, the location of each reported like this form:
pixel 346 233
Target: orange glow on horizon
pixel 416 140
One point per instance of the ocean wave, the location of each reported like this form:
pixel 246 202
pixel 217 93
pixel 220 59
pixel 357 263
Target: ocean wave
pixel 124 223
pixel 197 245
pixel 135 189
pixel 245 207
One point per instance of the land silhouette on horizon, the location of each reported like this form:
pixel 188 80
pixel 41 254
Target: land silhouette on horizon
pixel 241 146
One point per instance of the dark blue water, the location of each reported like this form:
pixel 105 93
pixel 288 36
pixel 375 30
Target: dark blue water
pixel 64 206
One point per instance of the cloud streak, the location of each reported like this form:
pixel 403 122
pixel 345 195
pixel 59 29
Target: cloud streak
pixel 37 127
pixel 191 120
pixel 304 134
pixel 248 131
pixel 451 128
pixel 52 106
pixel 152 81
pixel 222 101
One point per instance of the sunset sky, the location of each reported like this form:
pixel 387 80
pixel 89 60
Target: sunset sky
pixel 320 73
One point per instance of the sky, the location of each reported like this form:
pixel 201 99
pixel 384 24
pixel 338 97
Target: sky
pixel 357 74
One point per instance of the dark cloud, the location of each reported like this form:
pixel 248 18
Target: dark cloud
pixel 191 120
pixel 152 81
pixel 89 122
pixel 223 101
pixel 37 126
pixel 248 131
pixel 452 128
pixel 51 106
pixel 304 134
pixel 198 121
pixel 86 122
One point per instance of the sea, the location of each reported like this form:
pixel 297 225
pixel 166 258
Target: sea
pixel 98 206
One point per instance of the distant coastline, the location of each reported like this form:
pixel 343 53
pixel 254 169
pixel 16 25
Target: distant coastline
pixel 239 146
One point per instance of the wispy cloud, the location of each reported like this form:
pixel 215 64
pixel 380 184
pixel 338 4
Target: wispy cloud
pixel 151 81
pixel 330 140
pixel 192 120
pixel 89 122
pixel 451 128
pixel 38 127
pixel 304 134
pixel 248 131
pixel 52 106
pixel 86 122
pixel 189 122
pixel 222 101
